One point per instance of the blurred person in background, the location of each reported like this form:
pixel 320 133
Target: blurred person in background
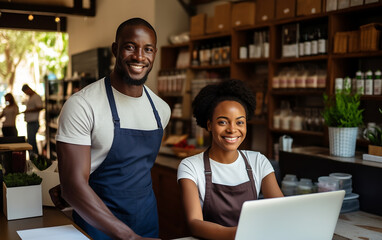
pixel 33 108
pixel 9 114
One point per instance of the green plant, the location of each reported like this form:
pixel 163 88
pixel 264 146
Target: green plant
pixel 21 179
pixel 375 136
pixel 41 162
pixel 343 109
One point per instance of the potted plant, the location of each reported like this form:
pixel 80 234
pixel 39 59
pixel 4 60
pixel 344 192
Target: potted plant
pixel 374 136
pixel 343 116
pixel 22 195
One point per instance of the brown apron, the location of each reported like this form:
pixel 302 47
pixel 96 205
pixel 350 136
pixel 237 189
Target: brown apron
pixel 222 204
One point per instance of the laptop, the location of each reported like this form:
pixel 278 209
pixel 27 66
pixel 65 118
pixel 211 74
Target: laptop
pixel 310 216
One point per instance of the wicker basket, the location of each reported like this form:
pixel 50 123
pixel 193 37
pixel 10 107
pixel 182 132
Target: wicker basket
pixel 370 37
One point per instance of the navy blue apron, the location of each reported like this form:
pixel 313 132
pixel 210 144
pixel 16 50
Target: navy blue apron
pixel 123 180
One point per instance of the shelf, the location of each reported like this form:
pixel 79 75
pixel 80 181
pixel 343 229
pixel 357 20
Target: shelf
pixel 299 92
pixel 55 98
pixel 252 60
pixel 371 98
pixel 367 54
pixel 257 122
pixel 52 140
pixel 180 45
pixel 352 10
pixel 53 125
pixel 302 59
pixel 211 36
pixel 210 67
pixel 252 27
pixel 302 133
pixel 301 18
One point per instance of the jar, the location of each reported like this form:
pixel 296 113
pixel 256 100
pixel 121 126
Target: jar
pixel 326 184
pixel 289 185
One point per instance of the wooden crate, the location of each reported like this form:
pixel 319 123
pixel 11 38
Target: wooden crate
pixel 370 37
pixel 353 41
pixel 341 42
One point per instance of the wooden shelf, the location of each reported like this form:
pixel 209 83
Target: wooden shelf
pixel 252 60
pixel 211 36
pixel 302 59
pixel 210 67
pixel 252 27
pixel 367 54
pixel 371 98
pixel 53 125
pixel 300 92
pixel 304 133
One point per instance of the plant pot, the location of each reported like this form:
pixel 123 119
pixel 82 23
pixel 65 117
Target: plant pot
pixel 375 150
pixel 22 202
pixel 342 141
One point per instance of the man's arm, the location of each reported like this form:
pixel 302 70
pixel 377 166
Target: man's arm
pixel 74 169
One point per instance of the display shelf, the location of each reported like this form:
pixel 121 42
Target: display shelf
pixel 297 92
pixel 251 60
pixel 211 67
pixel 302 59
pixel 364 54
pixel 301 133
pixel 211 36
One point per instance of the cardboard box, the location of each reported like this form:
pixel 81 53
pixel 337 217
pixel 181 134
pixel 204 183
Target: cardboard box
pixel 197 25
pixel 371 1
pixel 343 4
pixel 22 202
pixel 285 8
pixel 243 14
pixel 210 25
pixel 265 10
pixel 353 41
pixel 331 5
pixel 340 42
pixel 307 7
pixel 223 17
pixel 354 3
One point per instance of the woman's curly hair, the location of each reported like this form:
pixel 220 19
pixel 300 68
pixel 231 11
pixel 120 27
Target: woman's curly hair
pixel 210 96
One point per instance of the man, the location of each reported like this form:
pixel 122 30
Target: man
pixel 108 138
pixel 31 114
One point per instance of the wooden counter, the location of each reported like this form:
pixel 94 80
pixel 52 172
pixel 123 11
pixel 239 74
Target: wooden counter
pixel 51 217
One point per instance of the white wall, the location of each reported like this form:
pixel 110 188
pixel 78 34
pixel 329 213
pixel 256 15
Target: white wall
pixel 166 16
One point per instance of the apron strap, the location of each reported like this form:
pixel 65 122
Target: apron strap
pixel 110 97
pixel 250 174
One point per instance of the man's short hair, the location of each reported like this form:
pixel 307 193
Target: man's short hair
pixel 25 87
pixel 134 22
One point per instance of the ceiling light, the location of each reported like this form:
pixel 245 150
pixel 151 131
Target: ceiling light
pixel 30 17
pixel 57 19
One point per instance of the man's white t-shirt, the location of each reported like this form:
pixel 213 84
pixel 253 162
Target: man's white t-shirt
pixel 86 118
pixel 225 174
pixel 33 102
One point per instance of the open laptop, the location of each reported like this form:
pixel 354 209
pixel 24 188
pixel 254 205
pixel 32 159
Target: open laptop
pixel 310 216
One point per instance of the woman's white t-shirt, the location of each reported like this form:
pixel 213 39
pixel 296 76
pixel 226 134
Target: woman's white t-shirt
pixel 225 174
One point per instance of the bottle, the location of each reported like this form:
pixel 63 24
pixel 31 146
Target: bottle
pixel 377 83
pixel 307 45
pixel 321 36
pixel 360 83
pixel 208 55
pixel 313 43
pixel 216 54
pixel 226 53
pixel 369 83
pixel 266 44
pixel 301 46
pixel 201 55
pixel 195 56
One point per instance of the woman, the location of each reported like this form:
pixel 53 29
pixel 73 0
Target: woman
pixel 9 112
pixel 215 183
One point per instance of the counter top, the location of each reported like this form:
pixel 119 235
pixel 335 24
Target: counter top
pixel 354 225
pixel 51 217
pixel 324 153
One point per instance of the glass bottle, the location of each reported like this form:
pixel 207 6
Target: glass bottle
pixel 377 83
pixel 360 83
pixel 369 83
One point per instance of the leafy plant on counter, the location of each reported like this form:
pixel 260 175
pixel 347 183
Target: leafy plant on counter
pixel 21 179
pixel 343 109
pixel 375 136
pixel 40 161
